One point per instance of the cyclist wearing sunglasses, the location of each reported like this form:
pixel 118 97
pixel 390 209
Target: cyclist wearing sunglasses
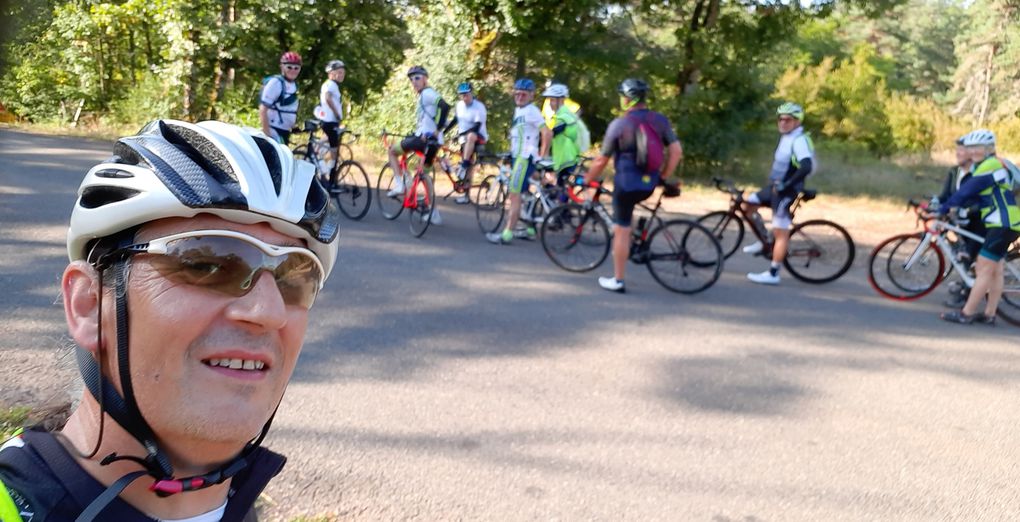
pixel 195 252
pixel 794 161
pixel 278 102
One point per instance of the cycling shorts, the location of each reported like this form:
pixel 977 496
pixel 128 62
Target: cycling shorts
pixel 417 144
pixel 283 134
pixel 521 170
pixel 332 130
pixel 779 202
pixel 997 242
pixel 624 203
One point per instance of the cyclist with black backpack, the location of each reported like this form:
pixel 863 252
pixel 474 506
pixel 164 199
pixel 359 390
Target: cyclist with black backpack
pixel 278 103
pixel 645 152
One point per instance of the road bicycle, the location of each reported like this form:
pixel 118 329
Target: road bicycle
pixel 345 180
pixel 543 196
pixel 819 251
pixel 418 196
pixel 909 266
pixel 679 253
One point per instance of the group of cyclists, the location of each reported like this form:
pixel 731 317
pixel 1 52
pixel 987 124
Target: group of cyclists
pixel 196 251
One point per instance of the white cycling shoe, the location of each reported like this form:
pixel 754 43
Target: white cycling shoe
pixel 436 219
pixel 612 284
pixel 764 278
pixel 398 188
pixel 754 248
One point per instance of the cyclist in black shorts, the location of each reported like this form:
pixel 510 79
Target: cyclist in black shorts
pixel 632 184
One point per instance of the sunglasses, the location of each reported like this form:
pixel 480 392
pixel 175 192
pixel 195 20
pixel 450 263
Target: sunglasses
pixel 416 78
pixel 231 263
pixel 291 67
pixel 786 119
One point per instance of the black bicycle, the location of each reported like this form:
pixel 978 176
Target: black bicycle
pixel 820 250
pixel 680 254
pixel 346 179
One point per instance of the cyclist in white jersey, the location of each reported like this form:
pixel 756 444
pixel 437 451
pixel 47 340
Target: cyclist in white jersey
pixel 793 162
pixel 430 114
pixel 471 132
pixel 330 109
pixel 526 130
pixel 278 102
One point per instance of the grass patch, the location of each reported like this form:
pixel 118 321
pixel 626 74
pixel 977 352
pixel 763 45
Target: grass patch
pixel 11 419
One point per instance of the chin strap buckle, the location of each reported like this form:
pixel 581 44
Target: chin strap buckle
pixel 167 487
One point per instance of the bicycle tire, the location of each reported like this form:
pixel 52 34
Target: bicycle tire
pixel 390 206
pixel 889 275
pixel 575 238
pixel 683 256
pixel 820 251
pixel 420 215
pixel 345 152
pixel 1009 305
pixel 352 190
pixel 490 204
pixel 482 171
pixel 726 228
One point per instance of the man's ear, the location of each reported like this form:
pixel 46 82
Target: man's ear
pixel 80 286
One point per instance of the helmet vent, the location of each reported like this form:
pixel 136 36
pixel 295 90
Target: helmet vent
pixel 202 151
pixel 114 173
pixel 95 197
pixel 272 161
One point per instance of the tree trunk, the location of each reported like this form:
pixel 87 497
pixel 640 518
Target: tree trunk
pixel 705 16
pixel 522 63
pixel 189 84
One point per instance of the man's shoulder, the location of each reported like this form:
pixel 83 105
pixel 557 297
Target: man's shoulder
pixel 31 483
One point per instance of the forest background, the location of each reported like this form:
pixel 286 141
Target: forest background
pixel 888 85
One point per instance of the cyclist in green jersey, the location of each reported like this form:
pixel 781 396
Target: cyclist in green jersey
pixel 992 182
pixel 563 128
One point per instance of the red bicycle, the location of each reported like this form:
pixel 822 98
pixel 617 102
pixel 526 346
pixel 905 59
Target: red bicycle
pixel 416 192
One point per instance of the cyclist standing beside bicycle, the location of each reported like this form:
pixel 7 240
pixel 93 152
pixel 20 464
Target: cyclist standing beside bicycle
pixel 278 102
pixel 525 131
pixel 992 182
pixel 330 109
pixel 629 140
pixel 564 131
pixel 471 131
pixel 431 114
pixel 793 162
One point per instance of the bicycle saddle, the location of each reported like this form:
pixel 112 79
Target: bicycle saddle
pixel 809 194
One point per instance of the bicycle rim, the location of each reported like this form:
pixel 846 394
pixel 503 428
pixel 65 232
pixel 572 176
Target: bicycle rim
pixel 390 206
pixel 420 213
pixel 684 257
pixel 351 190
pixel 1009 305
pixel 726 228
pixel 575 239
pixel 490 204
pixel 820 251
pixel 905 268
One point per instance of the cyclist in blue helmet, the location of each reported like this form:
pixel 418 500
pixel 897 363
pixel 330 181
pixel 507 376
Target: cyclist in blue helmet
pixel 525 132
pixel 471 133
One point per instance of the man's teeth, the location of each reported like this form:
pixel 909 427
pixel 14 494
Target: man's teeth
pixel 238 364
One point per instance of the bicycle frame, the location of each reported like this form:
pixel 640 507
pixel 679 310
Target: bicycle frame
pixel 410 194
pixel 737 210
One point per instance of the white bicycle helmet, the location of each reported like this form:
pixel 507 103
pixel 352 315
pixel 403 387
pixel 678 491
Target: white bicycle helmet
pixel 979 137
pixel 556 90
pixel 178 169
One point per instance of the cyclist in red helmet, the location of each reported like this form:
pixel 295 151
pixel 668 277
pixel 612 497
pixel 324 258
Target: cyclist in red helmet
pixel 278 103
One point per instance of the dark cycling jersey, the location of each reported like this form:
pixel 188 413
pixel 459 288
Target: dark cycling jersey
pixel 46 484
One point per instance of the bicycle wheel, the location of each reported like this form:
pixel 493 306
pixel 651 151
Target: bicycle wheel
pixel 904 268
pixel 351 190
pixel 683 256
pixel 1009 305
pixel 391 206
pixel 490 204
pixel 820 251
pixel 482 171
pixel 575 238
pixel 425 201
pixel 345 152
pixel 726 228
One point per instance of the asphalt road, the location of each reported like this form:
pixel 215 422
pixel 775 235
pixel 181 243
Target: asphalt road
pixel 449 379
